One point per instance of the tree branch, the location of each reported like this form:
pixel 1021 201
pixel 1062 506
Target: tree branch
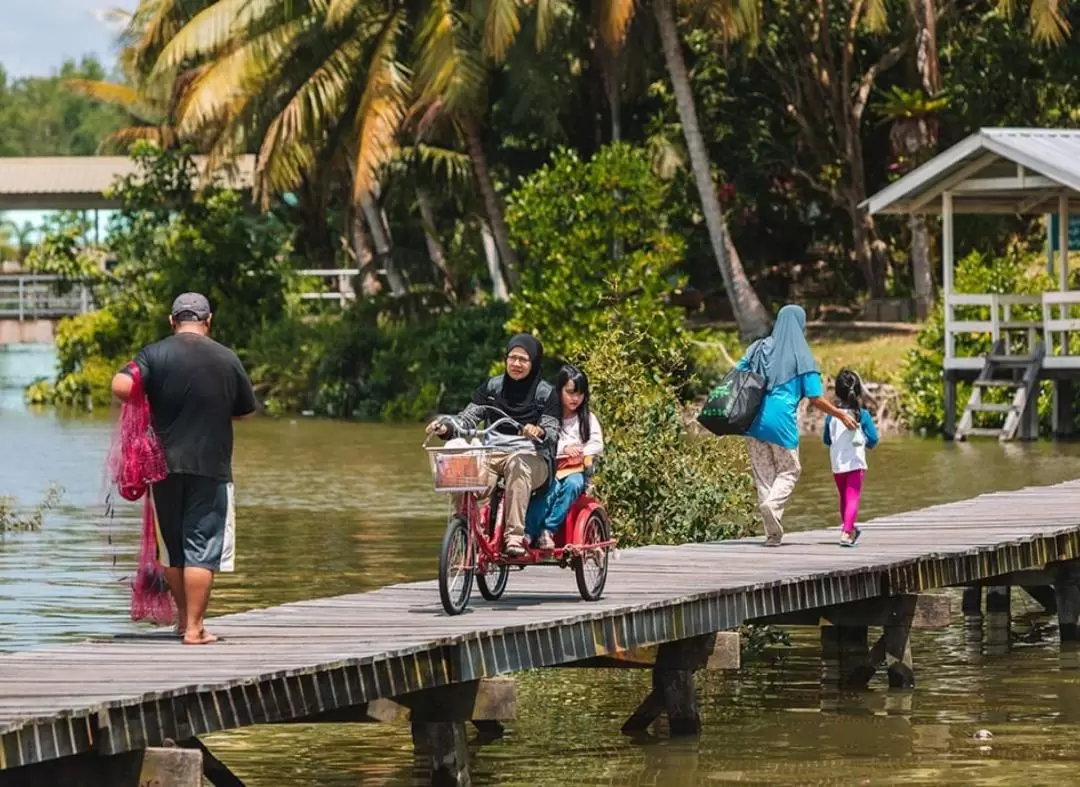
pixel 811 181
pixel 866 84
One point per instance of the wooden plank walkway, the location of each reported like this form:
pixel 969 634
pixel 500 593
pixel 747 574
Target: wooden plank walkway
pixel 295 660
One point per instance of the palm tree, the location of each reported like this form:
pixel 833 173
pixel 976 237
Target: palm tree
pixel 736 19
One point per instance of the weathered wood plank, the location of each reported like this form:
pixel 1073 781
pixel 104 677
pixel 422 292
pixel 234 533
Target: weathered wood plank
pixel 321 655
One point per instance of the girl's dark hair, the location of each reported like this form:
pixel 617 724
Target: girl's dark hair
pixel 571 374
pixel 849 389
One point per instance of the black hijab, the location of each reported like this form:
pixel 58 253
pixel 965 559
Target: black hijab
pixel 517 398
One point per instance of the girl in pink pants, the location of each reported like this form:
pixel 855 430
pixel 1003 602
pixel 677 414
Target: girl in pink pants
pixel 847 451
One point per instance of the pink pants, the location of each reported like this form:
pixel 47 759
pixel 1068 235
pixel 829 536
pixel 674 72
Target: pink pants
pixel 849 485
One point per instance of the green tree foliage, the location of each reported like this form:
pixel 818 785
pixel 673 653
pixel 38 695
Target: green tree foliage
pixel 660 484
pixel 40 116
pixel 595 239
pixel 166 239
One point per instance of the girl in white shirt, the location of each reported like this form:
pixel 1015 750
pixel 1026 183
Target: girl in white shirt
pixel 847 451
pixel 580 440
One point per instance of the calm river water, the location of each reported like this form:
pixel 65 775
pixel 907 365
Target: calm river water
pixel 329 508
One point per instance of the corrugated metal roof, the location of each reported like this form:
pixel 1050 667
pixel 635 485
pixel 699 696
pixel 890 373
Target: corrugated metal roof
pixel 1049 153
pixel 78 181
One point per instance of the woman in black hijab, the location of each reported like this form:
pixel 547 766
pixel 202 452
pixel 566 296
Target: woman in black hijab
pixel 521 394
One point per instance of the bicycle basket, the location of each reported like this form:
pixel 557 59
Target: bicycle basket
pixel 458 469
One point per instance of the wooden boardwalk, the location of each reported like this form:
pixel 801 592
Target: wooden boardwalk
pixel 297 660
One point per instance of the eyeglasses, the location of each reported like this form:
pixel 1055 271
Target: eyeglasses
pixel 518 359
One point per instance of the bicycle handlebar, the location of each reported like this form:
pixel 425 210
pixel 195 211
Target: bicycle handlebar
pixel 476 431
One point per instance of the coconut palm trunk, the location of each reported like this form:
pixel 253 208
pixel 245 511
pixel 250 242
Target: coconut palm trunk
pixel 492 204
pixel 491 254
pixel 435 248
pixel 750 315
pixel 924 13
pixel 383 251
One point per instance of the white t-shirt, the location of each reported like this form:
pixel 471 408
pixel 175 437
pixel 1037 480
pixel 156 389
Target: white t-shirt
pixel 570 434
pixel 847 449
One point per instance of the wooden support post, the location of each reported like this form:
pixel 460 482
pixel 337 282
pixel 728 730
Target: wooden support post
pixel 1067 592
pixel 1064 418
pixel 441 753
pixel 948 426
pixel 998 619
pixel 897 641
pixel 166 767
pixel 1029 419
pixel 1045 595
pixel 213 769
pixel 673 689
pixel 892 649
pixel 843 651
pixel 971 608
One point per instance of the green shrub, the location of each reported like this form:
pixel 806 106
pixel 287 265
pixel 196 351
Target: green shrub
pixel 593 238
pixel 168 238
pixel 660 484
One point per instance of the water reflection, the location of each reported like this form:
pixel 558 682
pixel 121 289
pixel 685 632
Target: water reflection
pixel 328 508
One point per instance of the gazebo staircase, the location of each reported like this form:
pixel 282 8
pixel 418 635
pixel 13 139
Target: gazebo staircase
pixel 1016 373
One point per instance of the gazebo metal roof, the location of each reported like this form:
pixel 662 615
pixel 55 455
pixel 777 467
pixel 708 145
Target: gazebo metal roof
pixel 995 170
pixel 78 182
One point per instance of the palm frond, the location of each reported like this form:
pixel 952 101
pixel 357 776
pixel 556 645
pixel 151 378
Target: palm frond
pixel 876 16
pixel 136 101
pixel 382 106
pixel 454 165
pixel 1049 24
pixel 736 19
pixel 122 140
pixel 613 20
pixel 501 26
pixel 212 30
pixel 448 68
pixel 339 10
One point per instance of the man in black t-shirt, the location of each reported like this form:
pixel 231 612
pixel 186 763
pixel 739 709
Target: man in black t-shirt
pixel 196 387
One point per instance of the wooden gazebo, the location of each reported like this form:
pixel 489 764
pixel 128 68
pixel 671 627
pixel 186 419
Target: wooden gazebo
pixel 1003 171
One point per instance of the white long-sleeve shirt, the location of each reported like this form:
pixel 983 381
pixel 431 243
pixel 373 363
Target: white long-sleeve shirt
pixel 570 434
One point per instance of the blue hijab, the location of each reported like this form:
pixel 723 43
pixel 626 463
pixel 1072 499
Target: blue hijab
pixel 785 354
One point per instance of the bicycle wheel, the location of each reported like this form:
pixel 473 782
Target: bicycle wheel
pixel 492 583
pixel 591 568
pixel 455 567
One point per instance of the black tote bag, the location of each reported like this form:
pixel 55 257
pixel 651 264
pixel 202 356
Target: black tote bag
pixel 733 404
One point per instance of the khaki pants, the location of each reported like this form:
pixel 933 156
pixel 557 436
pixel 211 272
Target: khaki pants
pixel 525 472
pixel 776 471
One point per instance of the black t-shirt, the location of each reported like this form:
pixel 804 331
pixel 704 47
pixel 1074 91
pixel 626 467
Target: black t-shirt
pixel 195 387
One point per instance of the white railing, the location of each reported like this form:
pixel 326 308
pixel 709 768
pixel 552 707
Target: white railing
pixel 1059 318
pixel 33 296
pixel 1059 326
pixel 1003 324
pixel 341 278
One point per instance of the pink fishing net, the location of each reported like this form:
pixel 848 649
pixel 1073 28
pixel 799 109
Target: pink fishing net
pixel 135 461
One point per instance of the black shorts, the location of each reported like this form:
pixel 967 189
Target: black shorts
pixel 195 522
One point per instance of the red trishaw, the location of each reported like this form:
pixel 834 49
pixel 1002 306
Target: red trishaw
pixel 472 544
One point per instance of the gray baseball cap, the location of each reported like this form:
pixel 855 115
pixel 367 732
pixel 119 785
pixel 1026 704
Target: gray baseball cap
pixel 193 302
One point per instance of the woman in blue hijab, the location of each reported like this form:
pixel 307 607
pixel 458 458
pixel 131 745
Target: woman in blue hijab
pixel 791 375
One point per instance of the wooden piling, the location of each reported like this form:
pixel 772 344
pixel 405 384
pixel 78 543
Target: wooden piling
pixel 1067 596
pixel 971 609
pixel 673 691
pixel 441 753
pixel 998 619
pixel 1064 415
pixel 159 767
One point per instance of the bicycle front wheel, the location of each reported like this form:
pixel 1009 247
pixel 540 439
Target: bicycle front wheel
pixel 455 567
